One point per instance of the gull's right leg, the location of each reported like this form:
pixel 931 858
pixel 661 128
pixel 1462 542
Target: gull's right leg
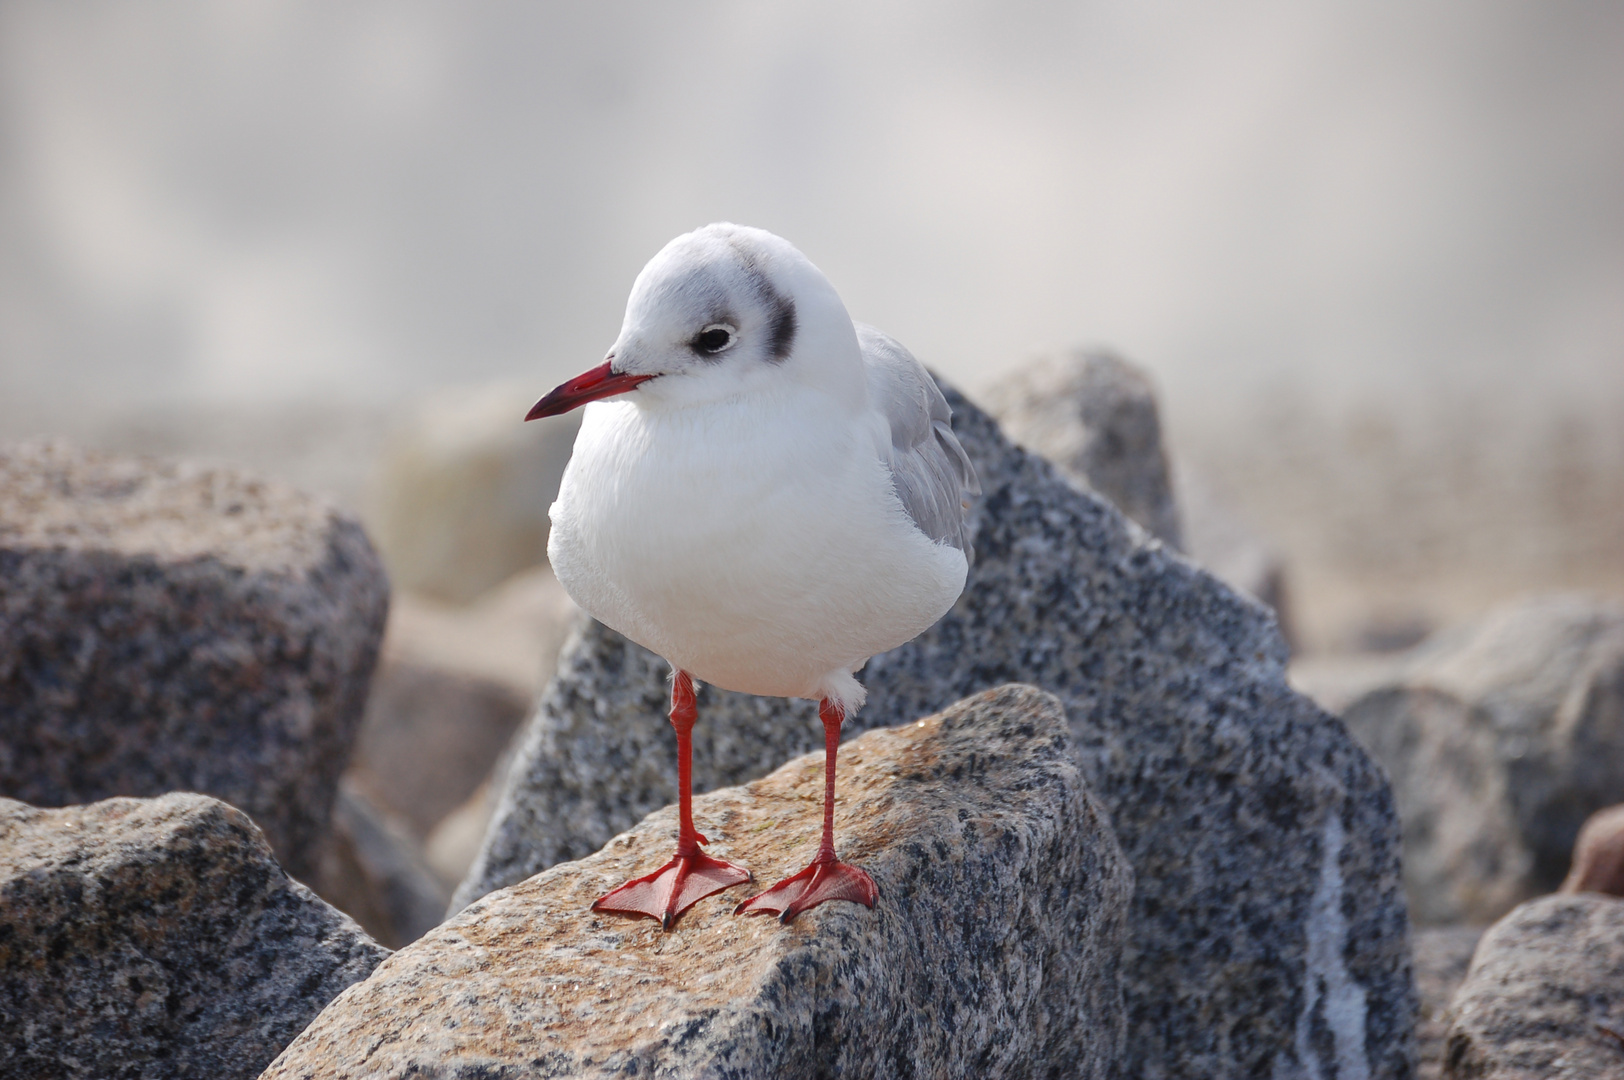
pixel 691 875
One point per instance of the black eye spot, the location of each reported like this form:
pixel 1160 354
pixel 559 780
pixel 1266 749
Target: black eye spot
pixel 713 339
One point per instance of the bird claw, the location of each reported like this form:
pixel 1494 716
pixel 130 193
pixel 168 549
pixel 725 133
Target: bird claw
pixel 830 880
pixel 673 888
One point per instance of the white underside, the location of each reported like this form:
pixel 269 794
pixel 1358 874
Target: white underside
pixel 759 546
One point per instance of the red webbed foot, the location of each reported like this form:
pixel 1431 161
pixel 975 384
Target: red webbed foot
pixel 673 888
pixel 824 879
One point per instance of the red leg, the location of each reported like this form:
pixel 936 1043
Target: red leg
pixel 826 878
pixel 691 875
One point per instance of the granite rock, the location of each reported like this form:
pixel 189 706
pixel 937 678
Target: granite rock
pixel 180 627
pixel 460 499
pixel 1500 737
pixel 1094 415
pixel 1442 955
pixel 1598 855
pixel 158 938
pixel 994 948
pixel 1264 839
pixel 1544 998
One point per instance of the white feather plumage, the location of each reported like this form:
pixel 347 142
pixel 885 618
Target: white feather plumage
pixel 740 516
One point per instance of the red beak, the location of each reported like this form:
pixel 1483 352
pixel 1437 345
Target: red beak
pixel 600 382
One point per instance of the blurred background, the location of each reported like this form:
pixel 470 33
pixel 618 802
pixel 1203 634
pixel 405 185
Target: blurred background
pixel 1372 254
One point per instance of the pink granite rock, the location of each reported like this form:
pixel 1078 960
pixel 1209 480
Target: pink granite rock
pixel 994 949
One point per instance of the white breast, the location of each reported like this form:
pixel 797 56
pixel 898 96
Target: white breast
pixel 759 546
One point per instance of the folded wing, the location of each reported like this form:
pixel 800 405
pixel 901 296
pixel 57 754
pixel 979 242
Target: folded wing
pixel 932 473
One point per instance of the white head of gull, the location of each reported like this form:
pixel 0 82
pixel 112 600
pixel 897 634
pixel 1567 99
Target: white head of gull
pixel 765 494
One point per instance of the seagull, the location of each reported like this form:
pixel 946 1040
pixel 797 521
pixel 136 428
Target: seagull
pixel 766 494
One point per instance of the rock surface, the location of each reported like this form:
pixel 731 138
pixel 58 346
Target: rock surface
pixel 1442 956
pixel 1094 415
pixel 994 948
pixel 158 938
pixel 1264 839
pixel 1501 738
pixel 1598 855
pixel 1544 999
pixel 179 627
pixel 461 496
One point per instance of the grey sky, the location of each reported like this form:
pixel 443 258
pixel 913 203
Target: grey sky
pixel 274 200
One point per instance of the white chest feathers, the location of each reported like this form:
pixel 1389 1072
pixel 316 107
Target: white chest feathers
pixel 760 546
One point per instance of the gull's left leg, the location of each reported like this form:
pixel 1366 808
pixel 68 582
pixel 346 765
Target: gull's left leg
pixel 826 878
pixel 691 875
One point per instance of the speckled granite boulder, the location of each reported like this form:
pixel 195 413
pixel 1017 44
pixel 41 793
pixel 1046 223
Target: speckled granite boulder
pixel 1094 415
pixel 1442 955
pixel 994 949
pixel 1544 999
pixel 157 938
pixel 1501 738
pixel 1263 838
pixel 173 627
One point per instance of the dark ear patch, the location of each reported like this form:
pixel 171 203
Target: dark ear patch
pixel 781 323
pixel 781 327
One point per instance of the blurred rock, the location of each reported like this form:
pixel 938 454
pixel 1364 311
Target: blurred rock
pixel 375 871
pixel 1441 958
pixel 1500 738
pixel 462 491
pixel 453 845
pixel 430 737
pixel 994 949
pixel 1094 415
pixel 171 626
pixel 1598 855
pixel 1544 999
pixel 1174 686
pixel 453 685
pixel 1390 632
pixel 1464 858
pixel 158 938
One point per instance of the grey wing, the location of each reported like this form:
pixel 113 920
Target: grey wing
pixel 932 473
